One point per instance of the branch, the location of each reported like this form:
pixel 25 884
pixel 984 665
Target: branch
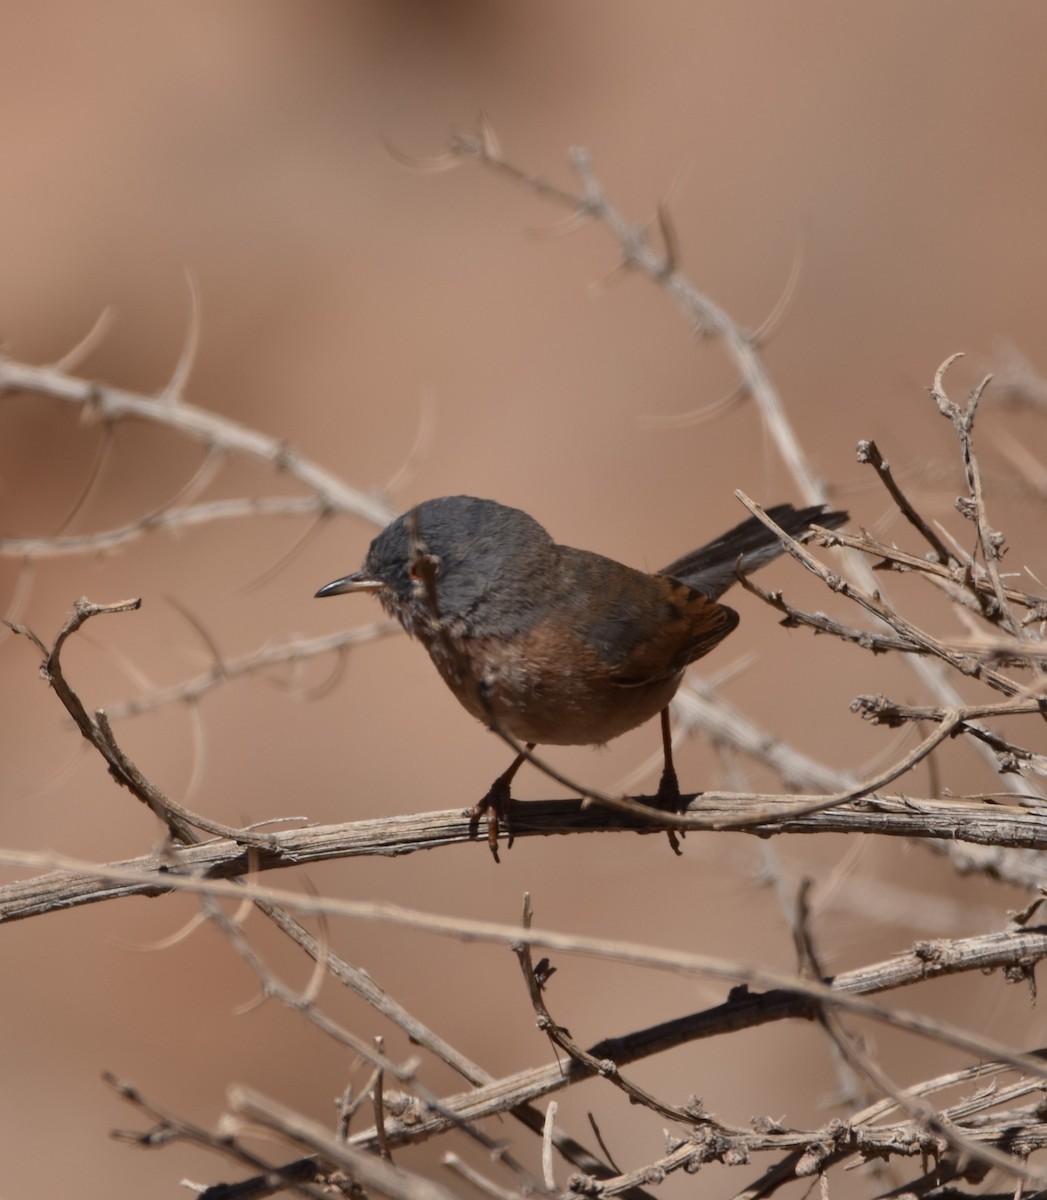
pixel 219 435
pixel 663 269
pixel 874 604
pixel 363 1168
pixel 790 997
pixel 225 670
pixel 869 452
pixel 974 507
pixel 706 317
pixel 71 883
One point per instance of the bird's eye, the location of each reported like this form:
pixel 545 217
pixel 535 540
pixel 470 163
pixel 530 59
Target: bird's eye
pixel 423 569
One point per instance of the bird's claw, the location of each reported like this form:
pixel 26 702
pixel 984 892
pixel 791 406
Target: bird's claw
pixel 668 799
pixel 495 805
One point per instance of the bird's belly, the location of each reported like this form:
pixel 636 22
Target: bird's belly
pixel 547 701
pixel 577 717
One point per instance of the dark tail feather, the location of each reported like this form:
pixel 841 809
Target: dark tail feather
pixel 745 548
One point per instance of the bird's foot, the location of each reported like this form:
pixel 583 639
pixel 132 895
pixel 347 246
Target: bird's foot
pixel 494 806
pixel 668 799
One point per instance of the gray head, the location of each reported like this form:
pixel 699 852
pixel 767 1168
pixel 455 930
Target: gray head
pixel 474 543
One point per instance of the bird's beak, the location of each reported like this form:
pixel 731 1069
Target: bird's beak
pixel 359 581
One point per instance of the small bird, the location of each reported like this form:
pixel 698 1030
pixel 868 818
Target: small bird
pixel 555 645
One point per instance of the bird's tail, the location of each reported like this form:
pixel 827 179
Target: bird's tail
pixel 745 548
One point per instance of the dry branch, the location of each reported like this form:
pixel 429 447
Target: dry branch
pixel 70 884
pixel 997 1128
pixel 220 436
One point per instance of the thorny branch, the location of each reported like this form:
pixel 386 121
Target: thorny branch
pixel 745 1009
pixel 973 506
pixel 68 884
pixel 998 1127
pixel 181 825
pixel 790 814
pixel 708 319
pixel 662 268
pixel 219 435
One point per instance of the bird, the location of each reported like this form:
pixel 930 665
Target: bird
pixel 554 645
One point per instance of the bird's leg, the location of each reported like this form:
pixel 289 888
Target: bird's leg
pixel 668 796
pixel 496 804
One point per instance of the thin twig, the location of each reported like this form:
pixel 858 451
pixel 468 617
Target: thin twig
pixel 219 434
pixel 869 452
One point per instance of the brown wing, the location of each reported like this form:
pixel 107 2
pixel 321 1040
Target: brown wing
pixel 690 627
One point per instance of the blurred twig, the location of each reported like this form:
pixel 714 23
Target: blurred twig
pixel 328 494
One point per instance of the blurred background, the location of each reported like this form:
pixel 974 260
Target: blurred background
pixel 898 149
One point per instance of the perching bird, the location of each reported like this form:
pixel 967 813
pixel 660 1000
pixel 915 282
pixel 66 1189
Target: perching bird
pixel 551 644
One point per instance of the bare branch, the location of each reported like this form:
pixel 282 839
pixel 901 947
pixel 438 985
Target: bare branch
pixel 869 452
pixel 71 883
pixel 218 434
pixel 362 1167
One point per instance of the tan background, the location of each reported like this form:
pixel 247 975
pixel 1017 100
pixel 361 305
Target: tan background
pixel 900 145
